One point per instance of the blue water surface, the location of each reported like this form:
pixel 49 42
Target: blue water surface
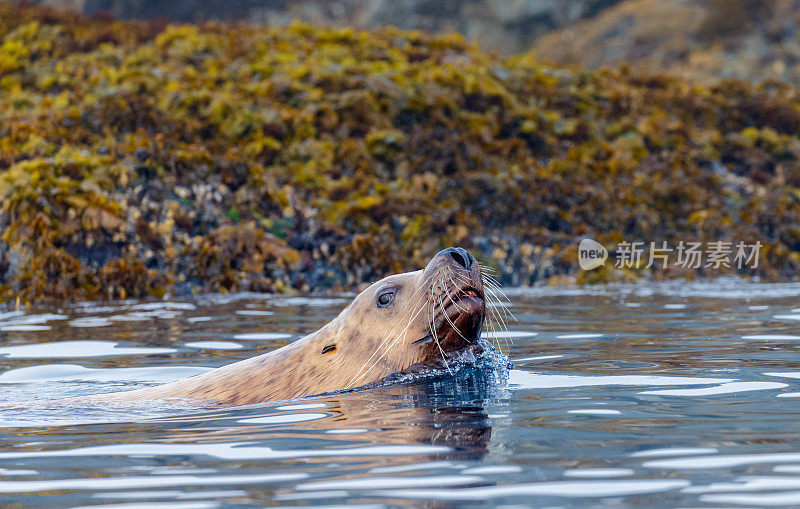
pixel 659 395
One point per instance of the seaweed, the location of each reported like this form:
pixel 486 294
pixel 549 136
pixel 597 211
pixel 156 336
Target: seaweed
pixel 139 159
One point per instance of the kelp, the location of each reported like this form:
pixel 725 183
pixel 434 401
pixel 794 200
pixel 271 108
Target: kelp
pixel 141 159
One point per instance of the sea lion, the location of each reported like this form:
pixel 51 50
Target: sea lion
pixel 402 323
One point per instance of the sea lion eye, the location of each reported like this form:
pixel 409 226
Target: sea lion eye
pixel 386 298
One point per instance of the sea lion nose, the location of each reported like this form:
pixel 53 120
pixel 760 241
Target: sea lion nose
pixel 459 255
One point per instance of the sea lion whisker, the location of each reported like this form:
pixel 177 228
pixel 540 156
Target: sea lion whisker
pixel 488 278
pixel 494 309
pixel 494 301
pixel 446 317
pixel 491 290
pixel 422 285
pixel 411 320
pixel 450 296
pixel 361 372
pixel 496 325
pixel 388 348
pixel 434 331
pixel 495 313
pixel 496 286
pixel 455 328
pixel 439 344
pixel 491 323
pixel 461 279
pixel 359 375
pixel 500 303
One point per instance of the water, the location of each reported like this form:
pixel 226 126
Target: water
pixel 668 395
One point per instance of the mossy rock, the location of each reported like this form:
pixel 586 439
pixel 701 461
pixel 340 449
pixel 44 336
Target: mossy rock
pixel 143 159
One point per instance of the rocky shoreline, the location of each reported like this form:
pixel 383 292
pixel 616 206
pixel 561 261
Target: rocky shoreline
pixel 139 159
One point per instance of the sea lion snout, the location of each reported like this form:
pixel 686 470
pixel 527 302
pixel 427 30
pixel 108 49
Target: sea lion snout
pixel 456 267
pixel 457 299
pixel 460 255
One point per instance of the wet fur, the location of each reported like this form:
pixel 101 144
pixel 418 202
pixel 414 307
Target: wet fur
pixel 426 325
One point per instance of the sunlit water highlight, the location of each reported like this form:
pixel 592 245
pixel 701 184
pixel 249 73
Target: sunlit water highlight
pixel 667 395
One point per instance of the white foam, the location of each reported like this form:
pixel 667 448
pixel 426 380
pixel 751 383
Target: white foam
pixel 151 306
pixel 24 328
pixel 33 319
pixel 153 505
pixel 214 345
pixel 11 314
pixel 90 321
pixel 175 495
pixel 307 301
pixel 253 312
pixel 721 288
pixel 96 309
pixel 785 374
pixel 538 358
pixel 604 488
pixel 392 482
pixel 136 495
pixel 255 336
pixel 346 431
pixel 503 334
pixel 598 472
pixel 76 349
pixel 284 419
pixel 7 471
pixel 414 466
pixel 519 379
pixel 580 336
pixel 791 498
pixel 301 406
pixel 226 451
pixel 775 337
pixel 674 451
pixel 724 461
pixel 787 469
pixel 594 411
pixel 748 484
pixel 331 494
pixel 787 317
pixel 67 372
pixel 131 317
pixel 492 470
pixel 727 388
pixel 94 483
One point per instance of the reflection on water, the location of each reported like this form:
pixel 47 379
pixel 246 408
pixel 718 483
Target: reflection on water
pixel 665 395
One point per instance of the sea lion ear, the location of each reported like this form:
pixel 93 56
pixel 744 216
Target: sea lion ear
pixel 329 348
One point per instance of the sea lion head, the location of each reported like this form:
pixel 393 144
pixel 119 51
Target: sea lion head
pixel 403 323
pixel 412 320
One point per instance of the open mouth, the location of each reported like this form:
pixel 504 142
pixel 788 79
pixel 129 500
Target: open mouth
pixel 466 293
pixel 457 315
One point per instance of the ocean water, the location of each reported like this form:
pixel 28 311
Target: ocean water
pixel 660 395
